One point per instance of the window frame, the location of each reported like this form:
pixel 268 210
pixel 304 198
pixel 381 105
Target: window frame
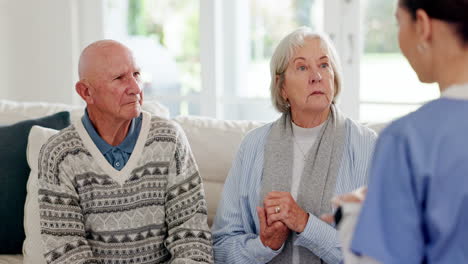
pixel 218 46
pixel 223 45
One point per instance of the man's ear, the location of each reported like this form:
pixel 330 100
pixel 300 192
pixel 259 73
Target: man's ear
pixel 84 90
pixel 423 27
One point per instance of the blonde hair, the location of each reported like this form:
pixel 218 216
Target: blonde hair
pixel 283 54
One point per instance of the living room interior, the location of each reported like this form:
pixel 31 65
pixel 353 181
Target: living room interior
pixel 205 64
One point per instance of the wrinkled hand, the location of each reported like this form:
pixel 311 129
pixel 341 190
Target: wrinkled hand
pixel 274 235
pixel 290 213
pixel 357 196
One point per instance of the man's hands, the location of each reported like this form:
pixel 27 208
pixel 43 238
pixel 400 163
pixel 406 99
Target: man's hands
pixel 274 235
pixel 281 206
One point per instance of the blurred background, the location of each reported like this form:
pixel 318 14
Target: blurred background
pixel 207 57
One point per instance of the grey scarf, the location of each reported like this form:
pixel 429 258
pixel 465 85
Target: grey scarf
pixel 318 178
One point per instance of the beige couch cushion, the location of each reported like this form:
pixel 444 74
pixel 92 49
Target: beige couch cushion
pixel 214 144
pixel 11 259
pixel 12 112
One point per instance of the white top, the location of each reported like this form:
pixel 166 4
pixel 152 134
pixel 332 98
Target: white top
pixel 458 91
pixel 304 139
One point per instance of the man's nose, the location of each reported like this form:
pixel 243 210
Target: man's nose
pixel 134 86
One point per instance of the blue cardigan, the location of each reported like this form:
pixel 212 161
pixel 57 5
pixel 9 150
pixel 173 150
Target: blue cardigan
pixel 236 226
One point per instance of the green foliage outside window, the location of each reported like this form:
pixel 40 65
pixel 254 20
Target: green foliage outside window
pixel 175 25
pixel 140 23
pixel 381 30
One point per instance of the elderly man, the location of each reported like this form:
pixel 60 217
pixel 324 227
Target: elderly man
pixel 120 186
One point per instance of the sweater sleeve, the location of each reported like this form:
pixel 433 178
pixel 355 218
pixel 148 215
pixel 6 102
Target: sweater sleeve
pixel 61 217
pixel 189 237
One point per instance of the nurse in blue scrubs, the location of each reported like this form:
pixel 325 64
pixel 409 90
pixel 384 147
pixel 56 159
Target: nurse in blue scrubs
pixel 416 209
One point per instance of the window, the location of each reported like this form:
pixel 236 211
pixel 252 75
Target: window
pixel 211 57
pixel 164 36
pixel 389 86
pixel 246 93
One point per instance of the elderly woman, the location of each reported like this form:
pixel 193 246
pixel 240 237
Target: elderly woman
pixel 416 209
pixel 286 172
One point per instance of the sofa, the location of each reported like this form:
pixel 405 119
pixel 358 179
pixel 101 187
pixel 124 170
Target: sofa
pixel 209 138
pixel 213 142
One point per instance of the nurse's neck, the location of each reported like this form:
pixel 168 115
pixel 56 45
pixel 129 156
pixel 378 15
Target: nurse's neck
pixel 452 69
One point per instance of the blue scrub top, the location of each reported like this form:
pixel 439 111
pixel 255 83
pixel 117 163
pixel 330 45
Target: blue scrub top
pixel 416 209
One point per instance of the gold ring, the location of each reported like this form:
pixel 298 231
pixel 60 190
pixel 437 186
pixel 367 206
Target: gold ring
pixel 277 209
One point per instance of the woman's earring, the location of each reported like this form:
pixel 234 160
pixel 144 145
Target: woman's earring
pixel 421 47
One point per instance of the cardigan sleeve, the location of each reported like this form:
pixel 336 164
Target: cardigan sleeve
pixel 233 243
pixel 322 239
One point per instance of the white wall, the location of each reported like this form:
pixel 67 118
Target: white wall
pixel 42 52
pixel 44 39
pixel 4 33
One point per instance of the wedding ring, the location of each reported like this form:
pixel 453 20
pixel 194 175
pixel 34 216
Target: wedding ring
pixel 277 209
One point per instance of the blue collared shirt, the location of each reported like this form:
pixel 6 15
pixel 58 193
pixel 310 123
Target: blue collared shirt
pixel 117 156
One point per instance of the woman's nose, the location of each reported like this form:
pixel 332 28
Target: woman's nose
pixel 315 77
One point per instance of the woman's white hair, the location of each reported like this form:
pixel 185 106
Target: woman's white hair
pixel 283 54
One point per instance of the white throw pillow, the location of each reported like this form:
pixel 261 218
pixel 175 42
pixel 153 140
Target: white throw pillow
pixel 32 246
pixel 156 108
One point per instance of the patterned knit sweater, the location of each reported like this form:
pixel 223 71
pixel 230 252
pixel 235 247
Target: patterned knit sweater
pixel 152 211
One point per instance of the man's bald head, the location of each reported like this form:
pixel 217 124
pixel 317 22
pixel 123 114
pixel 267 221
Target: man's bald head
pixel 94 58
pixel 109 81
